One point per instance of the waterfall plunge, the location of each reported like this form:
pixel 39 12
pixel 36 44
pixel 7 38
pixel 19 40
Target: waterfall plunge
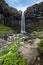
pixel 23 23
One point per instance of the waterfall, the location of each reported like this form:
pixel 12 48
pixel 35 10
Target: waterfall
pixel 23 23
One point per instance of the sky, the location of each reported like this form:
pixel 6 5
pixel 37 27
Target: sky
pixel 22 4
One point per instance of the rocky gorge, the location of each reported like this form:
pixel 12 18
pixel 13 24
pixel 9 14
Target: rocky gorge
pixel 26 47
pixel 11 16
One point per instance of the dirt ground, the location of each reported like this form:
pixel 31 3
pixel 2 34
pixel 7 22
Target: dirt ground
pixel 39 60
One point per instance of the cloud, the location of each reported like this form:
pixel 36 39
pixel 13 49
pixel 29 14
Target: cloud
pixel 39 1
pixel 22 8
pixel 35 1
pixel 22 4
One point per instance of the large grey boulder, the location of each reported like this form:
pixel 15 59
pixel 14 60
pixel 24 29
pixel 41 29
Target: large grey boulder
pixel 30 51
pixel 30 54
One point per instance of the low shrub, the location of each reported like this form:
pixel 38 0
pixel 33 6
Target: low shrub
pixel 41 46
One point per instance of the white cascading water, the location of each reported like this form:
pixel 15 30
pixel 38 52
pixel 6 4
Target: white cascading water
pixel 23 23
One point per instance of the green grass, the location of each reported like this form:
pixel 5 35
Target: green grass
pixel 10 56
pixel 5 29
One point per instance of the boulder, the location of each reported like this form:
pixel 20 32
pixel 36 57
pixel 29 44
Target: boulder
pixel 30 54
pixel 36 42
pixel 40 36
pixel 30 51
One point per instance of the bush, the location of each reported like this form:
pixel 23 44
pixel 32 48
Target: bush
pixel 41 46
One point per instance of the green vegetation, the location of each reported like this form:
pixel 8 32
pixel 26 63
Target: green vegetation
pixel 35 34
pixel 5 29
pixel 41 46
pixel 38 29
pixel 10 56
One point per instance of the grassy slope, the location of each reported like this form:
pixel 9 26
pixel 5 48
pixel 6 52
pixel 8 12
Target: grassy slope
pixel 5 29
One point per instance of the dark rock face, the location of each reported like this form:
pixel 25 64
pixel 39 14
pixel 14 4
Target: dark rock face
pixel 34 16
pixel 8 15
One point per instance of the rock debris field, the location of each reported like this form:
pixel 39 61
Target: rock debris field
pixel 28 48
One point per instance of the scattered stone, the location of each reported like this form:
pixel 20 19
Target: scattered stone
pixel 26 39
pixel 3 44
pixel 41 32
pixel 33 32
pixel 29 41
pixel 40 36
pixel 38 58
pixel 22 43
pixel 36 42
pixel 10 38
pixel 20 49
